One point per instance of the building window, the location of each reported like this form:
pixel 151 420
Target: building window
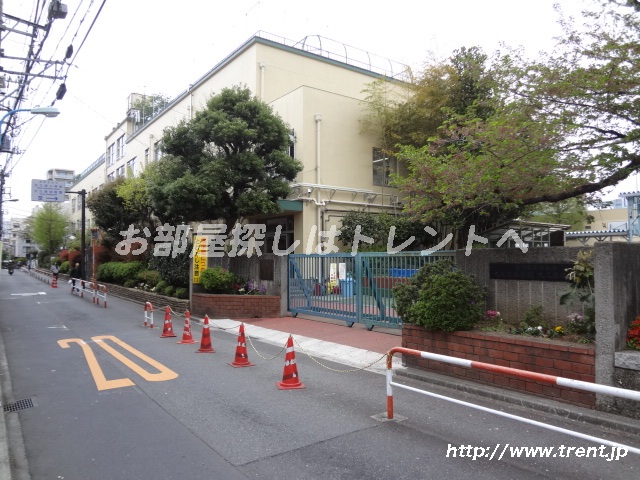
pixel 292 143
pixel 157 151
pixel 120 147
pixel 73 205
pixel 131 167
pixel 111 177
pixel 111 154
pixel 120 171
pixel 383 167
pixel 285 239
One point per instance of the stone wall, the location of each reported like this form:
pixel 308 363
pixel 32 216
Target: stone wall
pixel 525 353
pixel 159 302
pixel 235 306
pixel 617 270
pixel 512 298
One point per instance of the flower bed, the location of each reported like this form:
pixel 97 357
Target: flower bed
pixel 235 306
pixel 526 353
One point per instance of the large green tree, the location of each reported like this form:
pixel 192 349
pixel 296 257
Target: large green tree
pixel 559 127
pixel 230 161
pixel 49 227
pixel 110 213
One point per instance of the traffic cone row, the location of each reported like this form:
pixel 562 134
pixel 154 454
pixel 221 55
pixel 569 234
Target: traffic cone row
pixel 290 378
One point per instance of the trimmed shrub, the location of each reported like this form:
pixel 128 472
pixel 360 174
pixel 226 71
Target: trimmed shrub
pixel 182 293
pixel 441 298
pixel 169 290
pixel 118 272
pixel 217 280
pixel 149 277
pixel 160 286
pixel 130 283
pixel 64 267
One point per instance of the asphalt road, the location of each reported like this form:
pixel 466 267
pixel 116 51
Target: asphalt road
pixel 148 408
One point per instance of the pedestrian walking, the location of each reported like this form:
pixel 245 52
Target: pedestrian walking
pixel 55 270
pixel 75 275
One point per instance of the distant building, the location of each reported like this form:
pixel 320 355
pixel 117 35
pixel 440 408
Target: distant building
pixel 17 239
pixel 618 222
pixel 62 175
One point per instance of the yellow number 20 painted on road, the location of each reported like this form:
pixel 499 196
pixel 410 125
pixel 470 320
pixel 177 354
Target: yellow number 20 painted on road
pixel 101 382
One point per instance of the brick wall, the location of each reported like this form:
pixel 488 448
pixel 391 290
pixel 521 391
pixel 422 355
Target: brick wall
pixel 235 306
pixel 526 353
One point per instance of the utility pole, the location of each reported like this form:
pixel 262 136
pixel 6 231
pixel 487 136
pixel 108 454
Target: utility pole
pixel 83 244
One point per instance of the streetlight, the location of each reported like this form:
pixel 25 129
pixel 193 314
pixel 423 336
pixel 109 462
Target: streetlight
pixel 47 112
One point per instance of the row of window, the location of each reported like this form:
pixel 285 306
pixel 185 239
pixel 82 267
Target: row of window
pixel 115 151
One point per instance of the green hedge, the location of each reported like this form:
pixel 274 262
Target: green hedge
pixel 119 272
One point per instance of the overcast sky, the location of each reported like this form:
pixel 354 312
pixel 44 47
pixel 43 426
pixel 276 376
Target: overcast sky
pixel 159 46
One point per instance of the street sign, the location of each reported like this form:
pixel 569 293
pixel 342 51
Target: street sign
pixel 47 191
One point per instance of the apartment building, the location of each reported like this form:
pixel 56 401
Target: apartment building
pixel 62 175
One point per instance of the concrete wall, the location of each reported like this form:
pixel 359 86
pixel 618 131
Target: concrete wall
pixel 617 269
pixel 512 298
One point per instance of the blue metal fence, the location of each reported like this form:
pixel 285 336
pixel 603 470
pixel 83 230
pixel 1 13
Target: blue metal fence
pixel 354 288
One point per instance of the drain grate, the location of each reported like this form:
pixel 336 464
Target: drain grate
pixel 19 405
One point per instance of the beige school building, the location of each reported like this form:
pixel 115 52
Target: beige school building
pixel 318 88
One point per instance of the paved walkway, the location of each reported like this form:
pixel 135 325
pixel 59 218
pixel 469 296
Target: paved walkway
pixel 325 338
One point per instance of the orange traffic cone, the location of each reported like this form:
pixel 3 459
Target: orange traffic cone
pixel 186 334
pixel 54 282
pixel 290 379
pixel 167 331
pixel 242 359
pixel 205 343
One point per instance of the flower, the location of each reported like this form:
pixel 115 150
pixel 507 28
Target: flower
pixel 633 335
pixel 491 314
pixel 559 330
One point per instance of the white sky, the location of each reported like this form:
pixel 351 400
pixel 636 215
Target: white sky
pixel 160 46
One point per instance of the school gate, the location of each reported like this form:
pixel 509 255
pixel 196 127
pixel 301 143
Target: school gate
pixel 354 288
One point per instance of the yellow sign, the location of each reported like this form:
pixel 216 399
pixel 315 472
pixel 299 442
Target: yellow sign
pixel 201 249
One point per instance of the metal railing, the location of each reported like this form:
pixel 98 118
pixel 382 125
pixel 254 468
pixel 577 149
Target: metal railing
pixel 487 367
pixel 354 288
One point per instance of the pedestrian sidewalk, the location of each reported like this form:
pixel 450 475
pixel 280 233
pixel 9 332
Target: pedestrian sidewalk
pixel 326 339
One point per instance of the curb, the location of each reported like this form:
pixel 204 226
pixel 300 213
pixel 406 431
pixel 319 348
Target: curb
pixel 604 419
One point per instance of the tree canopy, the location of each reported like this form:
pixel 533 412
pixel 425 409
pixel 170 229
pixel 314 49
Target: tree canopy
pixel 110 212
pixel 230 161
pixel 485 138
pixel 49 227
